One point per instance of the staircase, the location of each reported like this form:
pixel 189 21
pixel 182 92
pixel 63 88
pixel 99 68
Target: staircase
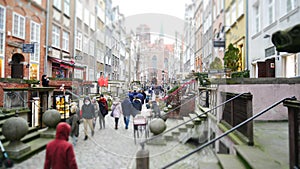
pixel 32 138
pixel 261 155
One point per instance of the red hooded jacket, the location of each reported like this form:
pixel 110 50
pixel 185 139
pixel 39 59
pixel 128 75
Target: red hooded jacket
pixel 59 152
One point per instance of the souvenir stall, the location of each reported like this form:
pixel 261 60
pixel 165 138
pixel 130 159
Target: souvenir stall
pixel 62 105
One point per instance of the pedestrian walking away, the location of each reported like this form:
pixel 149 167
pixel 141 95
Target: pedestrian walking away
pixel 88 114
pixel 97 110
pixel 103 106
pixel 137 104
pixel 59 152
pixel 128 110
pixel 116 111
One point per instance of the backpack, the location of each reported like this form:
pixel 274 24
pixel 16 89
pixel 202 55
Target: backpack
pixel 103 108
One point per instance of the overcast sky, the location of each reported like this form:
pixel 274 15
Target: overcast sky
pixel 169 7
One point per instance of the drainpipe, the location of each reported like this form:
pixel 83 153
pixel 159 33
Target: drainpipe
pixel 247 36
pixel 47 37
pixel 74 37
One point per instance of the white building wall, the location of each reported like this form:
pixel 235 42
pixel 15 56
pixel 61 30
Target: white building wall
pixel 261 39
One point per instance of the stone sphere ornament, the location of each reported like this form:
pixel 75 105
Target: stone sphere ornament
pixel 51 118
pixel 157 126
pixel 15 128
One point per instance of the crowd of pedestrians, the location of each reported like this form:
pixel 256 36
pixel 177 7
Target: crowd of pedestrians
pixel 61 153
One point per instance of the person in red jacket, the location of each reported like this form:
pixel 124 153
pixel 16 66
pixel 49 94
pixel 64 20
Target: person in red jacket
pixel 59 152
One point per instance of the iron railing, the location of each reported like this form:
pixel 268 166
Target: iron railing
pixel 228 132
pixel 198 116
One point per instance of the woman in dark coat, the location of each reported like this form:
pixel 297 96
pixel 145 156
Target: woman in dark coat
pixel 59 152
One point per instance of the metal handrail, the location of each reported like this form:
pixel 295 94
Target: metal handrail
pixel 228 132
pixel 154 137
pixel 176 107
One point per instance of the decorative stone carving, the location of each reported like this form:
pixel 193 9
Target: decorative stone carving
pixel 51 118
pixel 287 40
pixel 157 126
pixel 14 129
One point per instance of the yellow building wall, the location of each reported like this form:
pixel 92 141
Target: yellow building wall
pixel 236 33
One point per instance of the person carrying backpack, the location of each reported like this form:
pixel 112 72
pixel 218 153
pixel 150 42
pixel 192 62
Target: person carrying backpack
pixel 103 106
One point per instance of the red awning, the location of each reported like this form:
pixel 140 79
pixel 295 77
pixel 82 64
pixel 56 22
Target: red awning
pixel 63 63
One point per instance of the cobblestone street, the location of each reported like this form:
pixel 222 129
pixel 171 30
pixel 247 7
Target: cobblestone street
pixel 107 149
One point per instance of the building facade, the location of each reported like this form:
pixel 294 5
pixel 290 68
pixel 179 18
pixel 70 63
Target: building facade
pixel 267 17
pixel 22 44
pixel 235 29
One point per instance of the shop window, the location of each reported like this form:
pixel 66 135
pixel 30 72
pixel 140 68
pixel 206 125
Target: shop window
pixel 33 71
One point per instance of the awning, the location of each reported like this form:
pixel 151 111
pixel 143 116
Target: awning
pixel 63 63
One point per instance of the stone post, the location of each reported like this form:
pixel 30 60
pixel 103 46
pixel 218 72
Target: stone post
pixel 51 118
pixel 294 120
pixel 142 159
pixel 14 129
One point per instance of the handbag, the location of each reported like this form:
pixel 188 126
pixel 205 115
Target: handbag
pixel 112 112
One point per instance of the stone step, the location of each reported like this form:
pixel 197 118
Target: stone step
pixel 196 120
pixel 175 132
pixel 200 112
pixel 182 128
pixel 256 158
pixel 31 134
pixel 228 161
pixel 168 136
pixel 36 146
pixel 189 124
pixel 203 165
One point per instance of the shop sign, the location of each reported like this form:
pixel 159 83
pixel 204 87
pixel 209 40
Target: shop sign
pixel 28 48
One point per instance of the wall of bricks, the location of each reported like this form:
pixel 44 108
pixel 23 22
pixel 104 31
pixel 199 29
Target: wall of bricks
pixel 32 12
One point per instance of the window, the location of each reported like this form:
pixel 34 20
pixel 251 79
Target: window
pixel 2 30
pixel 79 40
pixel 290 5
pixel 241 8
pixel 93 22
pixel 55 36
pixel 92 48
pixel 79 10
pixel 78 73
pixel 271 11
pixel 85 44
pixel 18 26
pixel 256 19
pixel 227 19
pixel 233 13
pixel 57 4
pixel 86 16
pixel 91 74
pixel 35 35
pixel 65 41
pixel 67 7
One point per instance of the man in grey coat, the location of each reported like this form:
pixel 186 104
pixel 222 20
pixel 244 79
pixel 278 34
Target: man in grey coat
pixel 88 114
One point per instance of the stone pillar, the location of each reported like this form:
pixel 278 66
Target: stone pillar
pixel 51 118
pixel 294 120
pixel 14 129
pixel 142 159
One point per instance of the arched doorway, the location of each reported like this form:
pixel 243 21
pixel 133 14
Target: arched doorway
pixel 16 66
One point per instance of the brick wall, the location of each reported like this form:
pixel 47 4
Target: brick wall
pixel 32 12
